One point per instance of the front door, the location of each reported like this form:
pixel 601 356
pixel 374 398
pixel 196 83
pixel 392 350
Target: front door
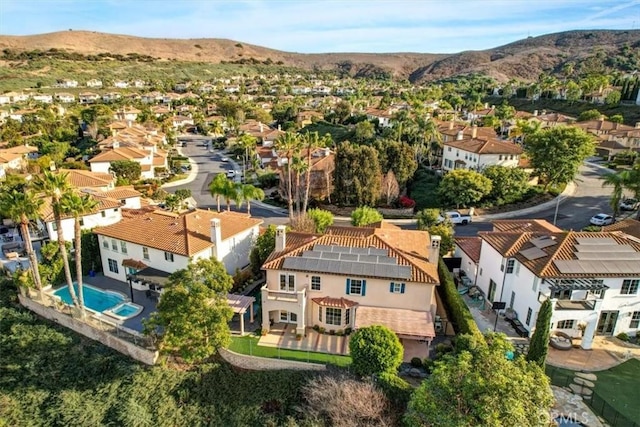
pixel 607 322
pixel 288 317
pixel 492 290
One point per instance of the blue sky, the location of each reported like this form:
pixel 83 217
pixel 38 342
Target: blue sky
pixel 431 26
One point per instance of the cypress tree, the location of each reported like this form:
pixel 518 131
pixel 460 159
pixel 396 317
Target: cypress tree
pixel 539 346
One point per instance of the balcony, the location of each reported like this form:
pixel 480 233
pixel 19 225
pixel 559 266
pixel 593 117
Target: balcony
pixel 283 296
pixel 567 304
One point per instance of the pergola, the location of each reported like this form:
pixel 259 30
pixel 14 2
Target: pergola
pixel 158 279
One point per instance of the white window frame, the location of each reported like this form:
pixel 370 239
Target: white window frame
pixel 289 282
pixel 105 242
pixel 632 287
pixel 511 263
pixel 397 288
pixel 114 245
pixel 566 324
pixel 634 323
pixel 123 246
pixel 333 316
pixel 316 283
pixel 113 266
pixel 168 256
pixel 360 282
pixel 145 253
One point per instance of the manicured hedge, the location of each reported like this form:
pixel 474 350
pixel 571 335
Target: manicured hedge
pixel 461 317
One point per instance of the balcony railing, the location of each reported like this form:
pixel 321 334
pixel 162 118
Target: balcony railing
pixel 567 304
pixel 285 296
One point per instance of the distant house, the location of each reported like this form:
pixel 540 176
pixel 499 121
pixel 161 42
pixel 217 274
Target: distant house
pixel 94 83
pixel 5 99
pixel 477 153
pixel 126 113
pixel 88 98
pixel 120 84
pixel 46 99
pixel 111 97
pixel 66 98
pixel 147 159
pixel 68 83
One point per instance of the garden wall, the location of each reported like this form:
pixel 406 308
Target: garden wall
pixel 148 357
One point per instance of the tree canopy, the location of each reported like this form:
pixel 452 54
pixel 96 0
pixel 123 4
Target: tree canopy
pixel 365 215
pixel 374 350
pixel 478 385
pixel 357 175
pixel 508 185
pixel 193 313
pixel 556 153
pixel 126 170
pixel 265 244
pixel 539 346
pixel 463 187
pixel 321 218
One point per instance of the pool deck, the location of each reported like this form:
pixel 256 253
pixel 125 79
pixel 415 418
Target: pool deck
pixel 139 297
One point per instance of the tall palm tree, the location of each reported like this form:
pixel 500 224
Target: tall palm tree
pixel 55 185
pixel 77 205
pixel 217 187
pixel 617 181
pixel 249 193
pixel 21 207
pixel 288 144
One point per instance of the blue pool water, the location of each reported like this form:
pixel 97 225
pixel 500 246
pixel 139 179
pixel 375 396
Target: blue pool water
pixel 94 299
pixel 126 310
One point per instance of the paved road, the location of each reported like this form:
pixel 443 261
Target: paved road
pixel 590 197
pixel 209 165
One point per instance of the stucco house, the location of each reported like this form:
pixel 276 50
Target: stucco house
pixel 354 277
pixel 593 279
pixel 166 241
pixel 476 152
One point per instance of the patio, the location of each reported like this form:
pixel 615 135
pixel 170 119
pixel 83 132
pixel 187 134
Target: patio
pixel 486 319
pixel 283 335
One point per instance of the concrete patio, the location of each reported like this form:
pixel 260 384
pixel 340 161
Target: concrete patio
pixel 486 319
pixel 283 335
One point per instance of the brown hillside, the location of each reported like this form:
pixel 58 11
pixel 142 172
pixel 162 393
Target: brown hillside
pixel 524 59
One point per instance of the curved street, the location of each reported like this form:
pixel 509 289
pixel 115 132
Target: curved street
pixel 589 198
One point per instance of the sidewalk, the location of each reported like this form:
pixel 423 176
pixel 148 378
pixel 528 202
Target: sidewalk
pixel 193 173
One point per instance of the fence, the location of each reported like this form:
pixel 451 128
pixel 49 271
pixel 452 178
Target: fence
pixel 563 378
pixel 608 412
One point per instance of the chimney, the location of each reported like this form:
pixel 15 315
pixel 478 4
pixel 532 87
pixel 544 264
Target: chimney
pixel 128 123
pixel 434 249
pixel 474 131
pixel 280 127
pixel 216 237
pixel 261 127
pixel 535 113
pixel 486 105
pixel 637 125
pixel 326 152
pixel 459 136
pixel 281 238
pixel 451 125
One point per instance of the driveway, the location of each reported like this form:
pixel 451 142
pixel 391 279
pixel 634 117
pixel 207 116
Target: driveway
pixel 209 164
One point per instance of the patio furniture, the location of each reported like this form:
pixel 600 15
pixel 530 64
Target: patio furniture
pixel 560 341
pixel 519 328
pixel 463 291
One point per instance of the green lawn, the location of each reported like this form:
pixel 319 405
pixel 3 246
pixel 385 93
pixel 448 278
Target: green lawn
pixel 249 345
pixel 619 386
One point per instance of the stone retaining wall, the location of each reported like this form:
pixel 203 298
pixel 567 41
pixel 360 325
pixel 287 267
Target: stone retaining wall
pixel 140 354
pixel 266 364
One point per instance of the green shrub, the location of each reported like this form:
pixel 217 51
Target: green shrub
pixel 416 362
pixel 316 328
pixel 397 390
pixel 322 330
pixel 340 333
pixel 622 336
pixel 428 365
pixel 347 331
pixel 592 228
pixel 375 349
pixel 461 317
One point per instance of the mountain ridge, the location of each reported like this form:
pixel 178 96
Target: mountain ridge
pixel 522 59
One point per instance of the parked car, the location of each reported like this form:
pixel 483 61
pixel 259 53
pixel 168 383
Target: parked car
pixel 629 204
pixel 224 159
pixel 601 219
pixel 456 218
pixel 231 174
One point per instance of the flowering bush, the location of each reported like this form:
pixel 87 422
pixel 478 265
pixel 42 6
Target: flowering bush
pixel 406 202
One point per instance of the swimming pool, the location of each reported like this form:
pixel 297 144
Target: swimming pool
pixel 95 299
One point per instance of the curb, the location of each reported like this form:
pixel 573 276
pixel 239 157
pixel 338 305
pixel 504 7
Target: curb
pixel 192 175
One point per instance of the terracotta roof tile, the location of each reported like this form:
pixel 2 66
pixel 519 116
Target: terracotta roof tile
pixel 628 226
pixel 183 234
pixel 122 153
pixel 470 246
pixel 402 322
pixel 81 178
pixel 522 225
pixel 334 302
pixel 485 146
pixel 122 193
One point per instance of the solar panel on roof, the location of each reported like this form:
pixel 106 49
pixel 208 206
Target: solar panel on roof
pixel 377 251
pixel 543 242
pixel 596 241
pixel 573 266
pixel 349 257
pixel 360 251
pixel 347 267
pixel 604 248
pixel 615 256
pixel 311 254
pixel 533 253
pixel 329 255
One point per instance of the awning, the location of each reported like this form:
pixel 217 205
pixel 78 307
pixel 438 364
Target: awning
pixel 410 324
pixel 334 302
pixel 577 285
pixel 239 303
pixel 134 263
pixel 151 276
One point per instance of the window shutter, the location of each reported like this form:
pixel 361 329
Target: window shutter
pixel 391 287
pixel 348 286
pixel 364 287
pixel 402 288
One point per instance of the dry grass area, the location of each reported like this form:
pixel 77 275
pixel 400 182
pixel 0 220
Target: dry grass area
pixel 524 59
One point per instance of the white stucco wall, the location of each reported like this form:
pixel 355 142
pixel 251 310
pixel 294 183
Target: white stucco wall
pixel 466 263
pixel 111 216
